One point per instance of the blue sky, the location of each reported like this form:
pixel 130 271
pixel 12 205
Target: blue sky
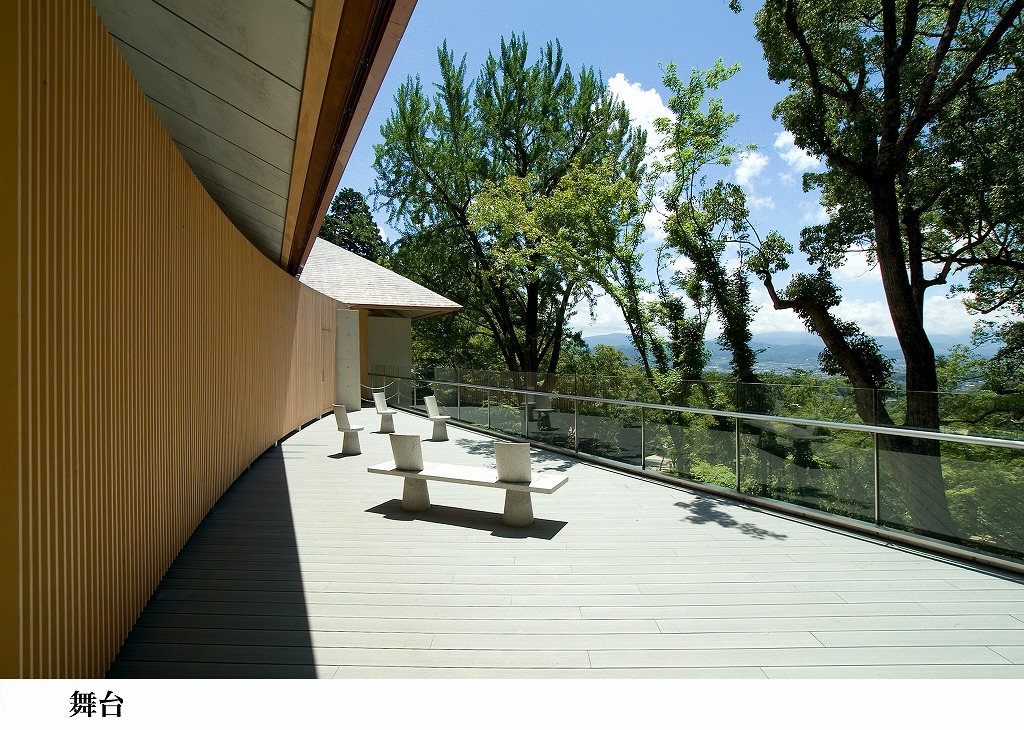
pixel 626 42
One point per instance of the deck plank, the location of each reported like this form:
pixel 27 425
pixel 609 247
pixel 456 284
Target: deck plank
pixel 308 567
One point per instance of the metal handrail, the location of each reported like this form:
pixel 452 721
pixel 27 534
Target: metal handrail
pixel 865 428
pixel 877 528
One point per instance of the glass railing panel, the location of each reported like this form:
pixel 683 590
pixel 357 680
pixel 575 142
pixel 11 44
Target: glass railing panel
pixel 551 421
pixel 405 393
pixel 711 393
pixel 693 447
pixel 985 488
pixel 557 383
pixel 962 493
pixel 504 414
pixel 609 431
pixel 831 470
pixel 471 406
pixel 447 398
pixel 597 386
pixel 818 401
pixel 981 412
pixel 446 375
pixel 476 377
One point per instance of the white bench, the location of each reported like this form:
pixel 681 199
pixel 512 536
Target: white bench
pixel 440 422
pixel 513 474
pixel 350 439
pixel 387 414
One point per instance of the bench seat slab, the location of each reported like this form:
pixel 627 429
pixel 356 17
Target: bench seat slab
pixel 476 475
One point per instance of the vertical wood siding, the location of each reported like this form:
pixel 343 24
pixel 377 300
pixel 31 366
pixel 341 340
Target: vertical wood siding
pixel 150 353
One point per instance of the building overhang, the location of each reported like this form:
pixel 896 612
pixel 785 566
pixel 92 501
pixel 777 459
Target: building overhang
pixel 360 284
pixel 404 312
pixel 264 98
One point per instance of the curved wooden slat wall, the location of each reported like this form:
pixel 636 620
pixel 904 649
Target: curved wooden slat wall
pixel 149 353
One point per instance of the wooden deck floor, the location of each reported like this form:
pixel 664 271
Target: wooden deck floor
pixel 309 568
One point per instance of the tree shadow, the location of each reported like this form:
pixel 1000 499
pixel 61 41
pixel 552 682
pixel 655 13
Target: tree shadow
pixel 469 518
pixel 704 510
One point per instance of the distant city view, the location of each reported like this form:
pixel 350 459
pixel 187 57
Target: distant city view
pixel 781 352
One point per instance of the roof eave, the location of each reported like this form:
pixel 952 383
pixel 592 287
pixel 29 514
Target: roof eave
pixel 352 43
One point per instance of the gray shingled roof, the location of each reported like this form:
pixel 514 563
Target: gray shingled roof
pixel 362 284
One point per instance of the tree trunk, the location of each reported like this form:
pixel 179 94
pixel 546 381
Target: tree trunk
pixel 911 481
pixel 912 465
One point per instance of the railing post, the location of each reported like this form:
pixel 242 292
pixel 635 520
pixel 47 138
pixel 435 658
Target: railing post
pixel 458 402
pixel 575 424
pixel 643 441
pixel 738 487
pixel 878 485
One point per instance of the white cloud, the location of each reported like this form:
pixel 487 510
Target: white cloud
pixel 815 214
pixel 767 319
pixel 751 165
pixel 857 271
pixel 760 202
pixel 654 231
pixel 682 264
pixel 795 158
pixel 607 318
pixel 644 105
pixel 947 316
pixel 872 315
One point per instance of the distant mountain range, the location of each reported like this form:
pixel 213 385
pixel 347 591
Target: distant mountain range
pixel 783 351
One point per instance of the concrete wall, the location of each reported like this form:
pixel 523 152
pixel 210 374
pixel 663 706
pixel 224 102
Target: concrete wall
pixel 389 342
pixel 148 353
pixel 347 360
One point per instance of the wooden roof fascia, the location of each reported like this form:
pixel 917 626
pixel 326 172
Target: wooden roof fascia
pixel 365 44
pixel 323 35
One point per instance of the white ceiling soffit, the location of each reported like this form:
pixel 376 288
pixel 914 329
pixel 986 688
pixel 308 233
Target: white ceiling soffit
pixel 225 77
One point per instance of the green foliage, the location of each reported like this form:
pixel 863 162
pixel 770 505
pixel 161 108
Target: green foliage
pixel 703 221
pixel 1006 374
pixel 605 360
pixel 453 341
pixel 606 372
pixel 914 109
pixel 888 94
pixel 512 191
pixel 349 224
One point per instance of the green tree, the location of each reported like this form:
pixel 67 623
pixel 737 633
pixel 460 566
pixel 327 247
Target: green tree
pixel 508 189
pixel 703 222
pixel 871 83
pixel 980 204
pixel 453 341
pixel 349 224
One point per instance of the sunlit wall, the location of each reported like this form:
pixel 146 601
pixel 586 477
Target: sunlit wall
pixel 149 353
